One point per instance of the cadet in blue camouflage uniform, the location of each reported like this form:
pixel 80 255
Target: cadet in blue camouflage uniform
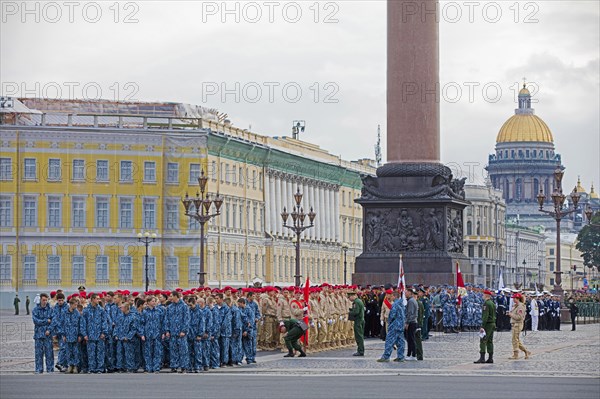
pixel 42 320
pixel 225 329
pixel 395 332
pixel 177 324
pixel 205 331
pixel 163 302
pixel 109 308
pixel 248 330
pixel 59 309
pixel 124 333
pixel 252 304
pixel 478 301
pixel 215 350
pixel 195 335
pixel 449 319
pixel 152 330
pixel 237 355
pixel 95 330
pixel 138 347
pixel 70 332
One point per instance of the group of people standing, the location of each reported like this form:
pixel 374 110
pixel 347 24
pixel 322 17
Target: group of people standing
pixel 186 331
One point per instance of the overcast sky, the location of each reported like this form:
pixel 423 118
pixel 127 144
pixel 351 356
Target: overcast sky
pixel 333 52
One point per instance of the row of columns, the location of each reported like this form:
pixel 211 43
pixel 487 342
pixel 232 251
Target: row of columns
pixel 323 197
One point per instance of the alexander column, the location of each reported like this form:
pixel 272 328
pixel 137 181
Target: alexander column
pixel 413 208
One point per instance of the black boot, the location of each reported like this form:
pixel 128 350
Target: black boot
pixel 290 354
pixel 302 353
pixel 490 358
pixel 481 358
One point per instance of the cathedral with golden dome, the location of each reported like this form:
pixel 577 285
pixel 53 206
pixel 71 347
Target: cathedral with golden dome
pixel 524 163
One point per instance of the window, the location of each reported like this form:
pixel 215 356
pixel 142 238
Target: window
pixel 234 221
pixel 343 198
pixel 101 268
pixel 172 269
pixel 551 266
pixel 54 212
pixel 78 273
pixel 29 211
pixel 480 251
pixel 194 172
pixel 172 214
pixel 172 172
pixel 551 281
pixel 241 177
pixel 78 208
pixel 102 212
pixel 213 170
pixel 29 266
pixel 5 169
pixel 254 180
pixel 151 269
pixel 194 268
pixel 471 251
pixel 551 251
pixel 54 171
pixel 126 171
pixel 102 170
pixel 54 268
pixel 149 213
pixel 234 175
pixel 78 169
pixel 125 269
pixel 149 171
pixel 227 175
pixel 5 212
pixel 5 268
pixel 469 228
pixel 30 169
pixel 125 213
pixel 254 225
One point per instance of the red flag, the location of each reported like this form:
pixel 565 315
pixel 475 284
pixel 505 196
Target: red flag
pixel 460 285
pixel 304 338
pixel 401 282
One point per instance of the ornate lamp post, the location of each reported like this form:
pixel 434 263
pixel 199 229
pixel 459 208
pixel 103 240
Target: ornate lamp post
pixel 539 274
pixel 147 238
pixel 297 226
pixel 558 213
pixel 589 213
pixel 345 249
pixel 202 214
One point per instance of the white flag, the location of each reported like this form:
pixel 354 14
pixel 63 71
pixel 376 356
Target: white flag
pixel 500 282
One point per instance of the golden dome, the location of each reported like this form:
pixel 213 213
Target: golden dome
pixel 524 91
pixel 579 187
pixel 592 193
pixel 524 127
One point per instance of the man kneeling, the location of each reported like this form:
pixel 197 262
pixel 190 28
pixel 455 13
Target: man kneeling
pixel 293 330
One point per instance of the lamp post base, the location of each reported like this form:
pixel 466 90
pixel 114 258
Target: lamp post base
pixel 558 291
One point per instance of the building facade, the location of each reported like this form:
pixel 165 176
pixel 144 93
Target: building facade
pixel 526 263
pixel 81 179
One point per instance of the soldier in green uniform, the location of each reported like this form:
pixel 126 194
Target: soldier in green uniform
pixel 295 329
pixel 357 315
pixel 488 324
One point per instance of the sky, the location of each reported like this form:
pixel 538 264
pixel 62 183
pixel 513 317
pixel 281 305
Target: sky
pixel 269 63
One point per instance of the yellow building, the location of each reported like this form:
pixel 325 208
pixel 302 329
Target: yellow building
pixel 79 180
pixel 571 263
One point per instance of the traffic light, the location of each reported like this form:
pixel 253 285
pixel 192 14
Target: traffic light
pixel 574 268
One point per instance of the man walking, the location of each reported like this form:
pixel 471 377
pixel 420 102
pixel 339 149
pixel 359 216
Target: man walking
pixel 486 332
pixel 357 314
pixel 27 303
pixel 412 309
pixel 395 332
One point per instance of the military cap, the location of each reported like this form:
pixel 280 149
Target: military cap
pixel 81 288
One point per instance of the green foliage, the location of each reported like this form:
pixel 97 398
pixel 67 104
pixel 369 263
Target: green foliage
pixel 588 242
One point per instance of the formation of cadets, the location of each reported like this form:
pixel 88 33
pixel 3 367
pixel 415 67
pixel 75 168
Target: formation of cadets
pixel 202 329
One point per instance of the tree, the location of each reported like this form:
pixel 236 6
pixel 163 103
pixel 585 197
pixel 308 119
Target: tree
pixel 588 242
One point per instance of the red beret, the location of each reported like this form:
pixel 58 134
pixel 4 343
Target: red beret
pixel 227 288
pixel 179 289
pixel 233 290
pixel 126 292
pixel 74 295
pixel 389 291
pixel 135 293
pixel 487 292
pixel 52 293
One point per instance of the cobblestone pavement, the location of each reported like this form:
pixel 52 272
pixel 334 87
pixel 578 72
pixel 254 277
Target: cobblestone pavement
pixel 555 353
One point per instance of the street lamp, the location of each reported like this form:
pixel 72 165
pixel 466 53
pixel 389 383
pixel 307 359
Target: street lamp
pixel 539 274
pixel 345 249
pixel 589 213
pixel 297 226
pixel 201 213
pixel 147 238
pixel 558 198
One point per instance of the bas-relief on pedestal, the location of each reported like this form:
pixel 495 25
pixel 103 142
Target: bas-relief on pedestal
pixel 413 209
